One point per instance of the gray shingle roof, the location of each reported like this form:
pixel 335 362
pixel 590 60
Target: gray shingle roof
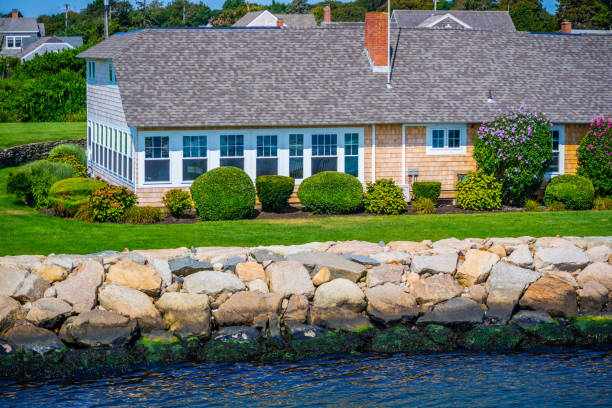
pixel 290 20
pixel 236 77
pixel 12 25
pixel 478 20
pixel 73 41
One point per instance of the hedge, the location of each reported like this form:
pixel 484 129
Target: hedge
pixel 429 189
pixel 274 191
pixel 331 192
pixel 574 192
pixel 66 196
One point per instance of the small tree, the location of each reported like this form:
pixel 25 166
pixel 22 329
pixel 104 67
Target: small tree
pixel 516 147
pixel 298 7
pixel 595 155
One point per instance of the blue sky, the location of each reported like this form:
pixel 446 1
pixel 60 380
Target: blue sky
pixel 33 8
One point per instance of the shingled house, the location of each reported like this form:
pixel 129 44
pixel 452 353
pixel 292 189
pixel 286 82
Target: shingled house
pixel 165 105
pixel 16 33
pixel 453 19
pixel 266 19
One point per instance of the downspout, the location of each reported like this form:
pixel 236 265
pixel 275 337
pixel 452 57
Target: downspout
pixel 373 153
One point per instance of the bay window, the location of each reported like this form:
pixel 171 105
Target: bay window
pixel 195 160
pixel 157 159
pixel 324 153
pixel 232 151
pixel 267 155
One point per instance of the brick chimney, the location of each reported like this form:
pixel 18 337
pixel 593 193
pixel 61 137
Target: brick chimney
pixel 327 14
pixel 280 23
pixel 15 13
pixel 566 27
pixel 376 38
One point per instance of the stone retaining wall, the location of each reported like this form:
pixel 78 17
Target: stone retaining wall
pixel 18 155
pixel 236 303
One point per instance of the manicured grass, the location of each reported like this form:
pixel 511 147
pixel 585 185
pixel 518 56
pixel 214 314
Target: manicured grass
pixel 25 231
pixel 14 134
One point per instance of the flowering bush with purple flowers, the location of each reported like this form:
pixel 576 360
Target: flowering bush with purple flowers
pixel 516 148
pixel 595 155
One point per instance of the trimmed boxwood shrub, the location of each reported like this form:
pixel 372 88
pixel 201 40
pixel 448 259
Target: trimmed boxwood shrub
pixel 429 189
pixel 479 191
pixel 224 193
pixel 331 192
pixel 595 155
pixel 177 202
pixel 67 195
pixel 384 197
pixel 274 191
pixel 574 192
pixel 110 203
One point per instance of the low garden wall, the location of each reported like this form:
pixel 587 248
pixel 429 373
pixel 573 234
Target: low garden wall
pixel 74 314
pixel 18 155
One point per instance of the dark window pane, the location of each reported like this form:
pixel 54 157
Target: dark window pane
pixel 125 171
pixel 296 168
pixel 454 138
pixel 351 165
pixel 320 164
pixel 555 140
pixel 88 136
pixel 105 158
pixel 130 169
pixel 554 163
pixel 157 170
pixel 267 167
pixel 114 162
pixel 192 168
pixel 438 139
pixel 233 162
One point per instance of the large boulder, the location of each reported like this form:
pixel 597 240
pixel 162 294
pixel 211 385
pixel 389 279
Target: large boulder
pixel 80 288
pixel 186 314
pixel 237 333
pixel 361 259
pixel 52 273
pixel 244 308
pixel 215 255
pixel 337 318
pixel 11 279
pixel 355 247
pixel 10 311
pixel 555 297
pixel 459 311
pixel 392 257
pixel 441 263
pixel 601 253
pixel 592 297
pixel 133 303
pixel 185 266
pixel 388 303
pixel 167 254
pixel 32 338
pixel 530 318
pixel 553 242
pixel 476 267
pixel 25 262
pixel 409 246
pixel 505 286
pixel 340 293
pixel 32 287
pixel 599 272
pixel 280 252
pixel 337 265
pixel 453 245
pixel 136 276
pixel 212 283
pixel 248 271
pixel 382 274
pixel 521 256
pixel 436 288
pixel 296 310
pixel 98 328
pixel 301 331
pixel 163 269
pixel 49 313
pixel 560 258
pixel 289 278
pixel 597 241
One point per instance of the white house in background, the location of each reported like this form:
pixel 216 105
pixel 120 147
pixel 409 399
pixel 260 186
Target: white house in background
pixel 16 33
pixel 49 44
pixel 266 19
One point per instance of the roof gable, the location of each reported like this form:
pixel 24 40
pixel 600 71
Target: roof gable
pixel 444 21
pixel 16 25
pixel 476 20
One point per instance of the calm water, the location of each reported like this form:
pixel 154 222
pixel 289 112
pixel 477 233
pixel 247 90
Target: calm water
pixel 570 378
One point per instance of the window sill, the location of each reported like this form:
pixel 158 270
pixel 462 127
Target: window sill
pixel 430 151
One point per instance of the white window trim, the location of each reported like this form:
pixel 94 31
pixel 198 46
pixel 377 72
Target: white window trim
pixel 561 129
pixel 169 159
pixel 250 150
pixel 289 157
pixel 462 149
pixel 14 37
pixel 183 158
pixel 110 67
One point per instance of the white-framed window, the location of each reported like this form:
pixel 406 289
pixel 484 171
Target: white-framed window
pixel 351 154
pixel 157 159
pixel 195 161
pixel 324 153
pixel 232 150
pixel 446 139
pixel 111 73
pixel 557 162
pixel 91 71
pixel 267 155
pixel 15 41
pixel 296 156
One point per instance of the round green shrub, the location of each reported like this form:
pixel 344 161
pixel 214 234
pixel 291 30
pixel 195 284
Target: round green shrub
pixel 274 191
pixel 384 197
pixel 429 189
pixel 423 205
pixel 331 192
pixel 595 155
pixel 70 149
pixel 32 182
pixel 58 170
pixel 479 191
pixel 177 202
pixel 67 195
pixel 110 203
pixel 574 192
pixel 224 193
pixel 142 215
pixel 72 161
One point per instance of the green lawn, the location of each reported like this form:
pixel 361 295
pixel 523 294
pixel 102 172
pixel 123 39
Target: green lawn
pixel 25 231
pixel 14 134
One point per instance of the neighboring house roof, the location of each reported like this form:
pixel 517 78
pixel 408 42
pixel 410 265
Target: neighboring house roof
pixel 268 77
pixel 15 25
pixel 35 46
pixel 592 32
pixel 290 20
pixel 75 41
pixel 475 20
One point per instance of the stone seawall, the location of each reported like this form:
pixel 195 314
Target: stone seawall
pixel 18 155
pixel 69 314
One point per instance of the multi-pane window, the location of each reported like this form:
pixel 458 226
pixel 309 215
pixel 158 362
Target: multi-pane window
pixel 351 154
pixel 267 155
pixel 554 162
pixel 324 153
pixel 14 42
pixel 157 158
pixel 446 138
pixel 437 139
pixel 232 151
pixel 454 138
pixel 194 157
pixel 296 156
pixel 91 70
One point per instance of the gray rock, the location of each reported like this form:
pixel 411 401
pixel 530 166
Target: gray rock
pixel 11 279
pixel 98 328
pixel 360 259
pixel 220 254
pixel 560 258
pixel 245 308
pixel 49 313
pixel 340 293
pixel 258 286
pixel 289 278
pixel 63 261
pixel 529 318
pixel 599 272
pixel 163 269
pixel 231 263
pixel 459 311
pixel 301 331
pixel 10 311
pixel 389 303
pixel 336 318
pixel 133 303
pixel 592 297
pixel 26 262
pixel 436 288
pixel 387 273
pixel 80 288
pixel 32 338
pixel 453 245
pixel 212 283
pixel 337 265
pixel 32 287
pixel 442 263
pixel 237 333
pixel 262 255
pixel 186 314
pixel 392 257
pixel 355 247
pixel 297 309
pixel 601 253
pixel 505 285
pixel 186 266
pixel 596 241
pixel 521 256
